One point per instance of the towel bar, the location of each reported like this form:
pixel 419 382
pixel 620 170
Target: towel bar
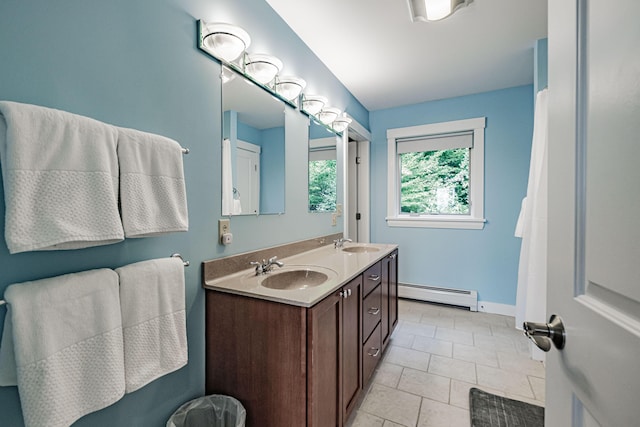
pixel 186 264
pixel 185 150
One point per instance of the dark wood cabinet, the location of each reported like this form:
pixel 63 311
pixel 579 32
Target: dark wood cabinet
pixel 297 366
pixel 351 348
pixel 256 352
pixel 334 356
pixel 389 273
pixel 324 364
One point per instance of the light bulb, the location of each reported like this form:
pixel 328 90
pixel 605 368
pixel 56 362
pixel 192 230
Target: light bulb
pixel 263 68
pixel 226 41
pixel 328 115
pixel 290 87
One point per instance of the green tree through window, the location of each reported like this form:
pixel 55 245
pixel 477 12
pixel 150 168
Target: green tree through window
pixel 435 182
pixel 322 186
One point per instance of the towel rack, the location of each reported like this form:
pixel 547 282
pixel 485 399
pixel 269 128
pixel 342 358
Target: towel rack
pixel 185 263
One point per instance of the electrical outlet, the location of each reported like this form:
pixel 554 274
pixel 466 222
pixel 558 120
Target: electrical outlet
pixel 339 209
pixel 224 227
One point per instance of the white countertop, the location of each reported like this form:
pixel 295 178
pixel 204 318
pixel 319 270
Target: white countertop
pixel 343 266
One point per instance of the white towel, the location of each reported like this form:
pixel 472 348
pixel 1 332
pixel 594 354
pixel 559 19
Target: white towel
pixel 152 189
pixel 228 204
pixel 152 299
pixel 60 174
pixel 68 346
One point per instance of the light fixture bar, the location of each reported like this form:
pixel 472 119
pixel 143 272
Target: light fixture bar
pixel 434 10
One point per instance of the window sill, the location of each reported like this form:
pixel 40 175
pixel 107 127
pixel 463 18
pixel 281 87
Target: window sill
pixel 437 222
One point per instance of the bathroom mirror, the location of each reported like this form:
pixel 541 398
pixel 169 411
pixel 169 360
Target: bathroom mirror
pixel 322 168
pixel 253 148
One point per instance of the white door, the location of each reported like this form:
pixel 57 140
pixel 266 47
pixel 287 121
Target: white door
pixel 358 184
pixel 248 177
pixel 352 196
pixel 594 212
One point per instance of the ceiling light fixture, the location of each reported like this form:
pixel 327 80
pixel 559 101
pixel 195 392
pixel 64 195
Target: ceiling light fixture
pixel 341 123
pixel 434 10
pixel 328 115
pixel 313 104
pixel 225 41
pixel 290 87
pixel 262 67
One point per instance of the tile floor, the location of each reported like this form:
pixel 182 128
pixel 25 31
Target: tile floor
pixel 435 356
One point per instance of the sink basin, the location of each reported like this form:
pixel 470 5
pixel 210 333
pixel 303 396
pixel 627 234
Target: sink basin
pixel 360 249
pixel 297 277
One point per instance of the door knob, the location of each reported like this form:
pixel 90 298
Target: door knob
pixel 543 334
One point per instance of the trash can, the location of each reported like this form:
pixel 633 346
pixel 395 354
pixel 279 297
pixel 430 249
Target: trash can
pixel 215 410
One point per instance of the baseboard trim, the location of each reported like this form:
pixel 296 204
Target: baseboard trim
pixel 497 308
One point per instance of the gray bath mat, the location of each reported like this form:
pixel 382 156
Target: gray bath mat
pixel 489 410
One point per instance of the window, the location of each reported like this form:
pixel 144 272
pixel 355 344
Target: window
pixel 436 175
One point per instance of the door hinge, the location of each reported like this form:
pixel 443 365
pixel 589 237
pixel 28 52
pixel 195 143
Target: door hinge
pixel 358 216
pixel 357 160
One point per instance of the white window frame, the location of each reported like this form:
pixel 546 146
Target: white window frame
pixel 475 219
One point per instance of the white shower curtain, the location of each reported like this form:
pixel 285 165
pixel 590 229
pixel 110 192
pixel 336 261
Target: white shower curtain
pixel 531 299
pixel 227 178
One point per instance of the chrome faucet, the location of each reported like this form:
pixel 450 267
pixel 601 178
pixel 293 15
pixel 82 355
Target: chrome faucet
pixel 340 242
pixel 266 266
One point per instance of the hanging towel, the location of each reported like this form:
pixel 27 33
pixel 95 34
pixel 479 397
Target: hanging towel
pixel 60 174
pixel 68 346
pixel 152 299
pixel 531 294
pixel 152 190
pixel 228 204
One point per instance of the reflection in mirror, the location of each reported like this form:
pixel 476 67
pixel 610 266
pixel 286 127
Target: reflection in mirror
pixel 253 148
pixel 322 168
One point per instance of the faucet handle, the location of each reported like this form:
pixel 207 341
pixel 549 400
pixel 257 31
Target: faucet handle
pixel 259 266
pixel 340 242
pixel 272 259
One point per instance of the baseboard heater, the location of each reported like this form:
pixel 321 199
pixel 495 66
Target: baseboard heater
pixel 457 297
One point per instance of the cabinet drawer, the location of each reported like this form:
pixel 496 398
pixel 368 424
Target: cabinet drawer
pixel 371 354
pixel 371 312
pixel 371 278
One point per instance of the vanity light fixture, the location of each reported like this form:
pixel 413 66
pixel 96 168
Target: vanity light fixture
pixel 341 123
pixel 290 87
pixel 328 115
pixel 262 67
pixel 434 10
pixel 225 41
pixel 227 75
pixel 313 104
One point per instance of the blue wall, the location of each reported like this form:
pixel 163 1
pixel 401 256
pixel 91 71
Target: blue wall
pixel 485 260
pixel 135 63
pixel 272 167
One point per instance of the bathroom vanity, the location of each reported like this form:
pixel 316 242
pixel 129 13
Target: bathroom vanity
pixel 300 354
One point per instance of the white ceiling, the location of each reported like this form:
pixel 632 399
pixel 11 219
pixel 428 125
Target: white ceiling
pixel 386 61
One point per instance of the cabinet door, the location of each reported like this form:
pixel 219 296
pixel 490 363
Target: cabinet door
pixel 385 303
pixel 389 296
pixel 351 347
pixel 324 399
pixel 393 291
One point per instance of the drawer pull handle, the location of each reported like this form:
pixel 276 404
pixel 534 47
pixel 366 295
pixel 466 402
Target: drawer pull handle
pixel 373 311
pixel 374 277
pixel 376 352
